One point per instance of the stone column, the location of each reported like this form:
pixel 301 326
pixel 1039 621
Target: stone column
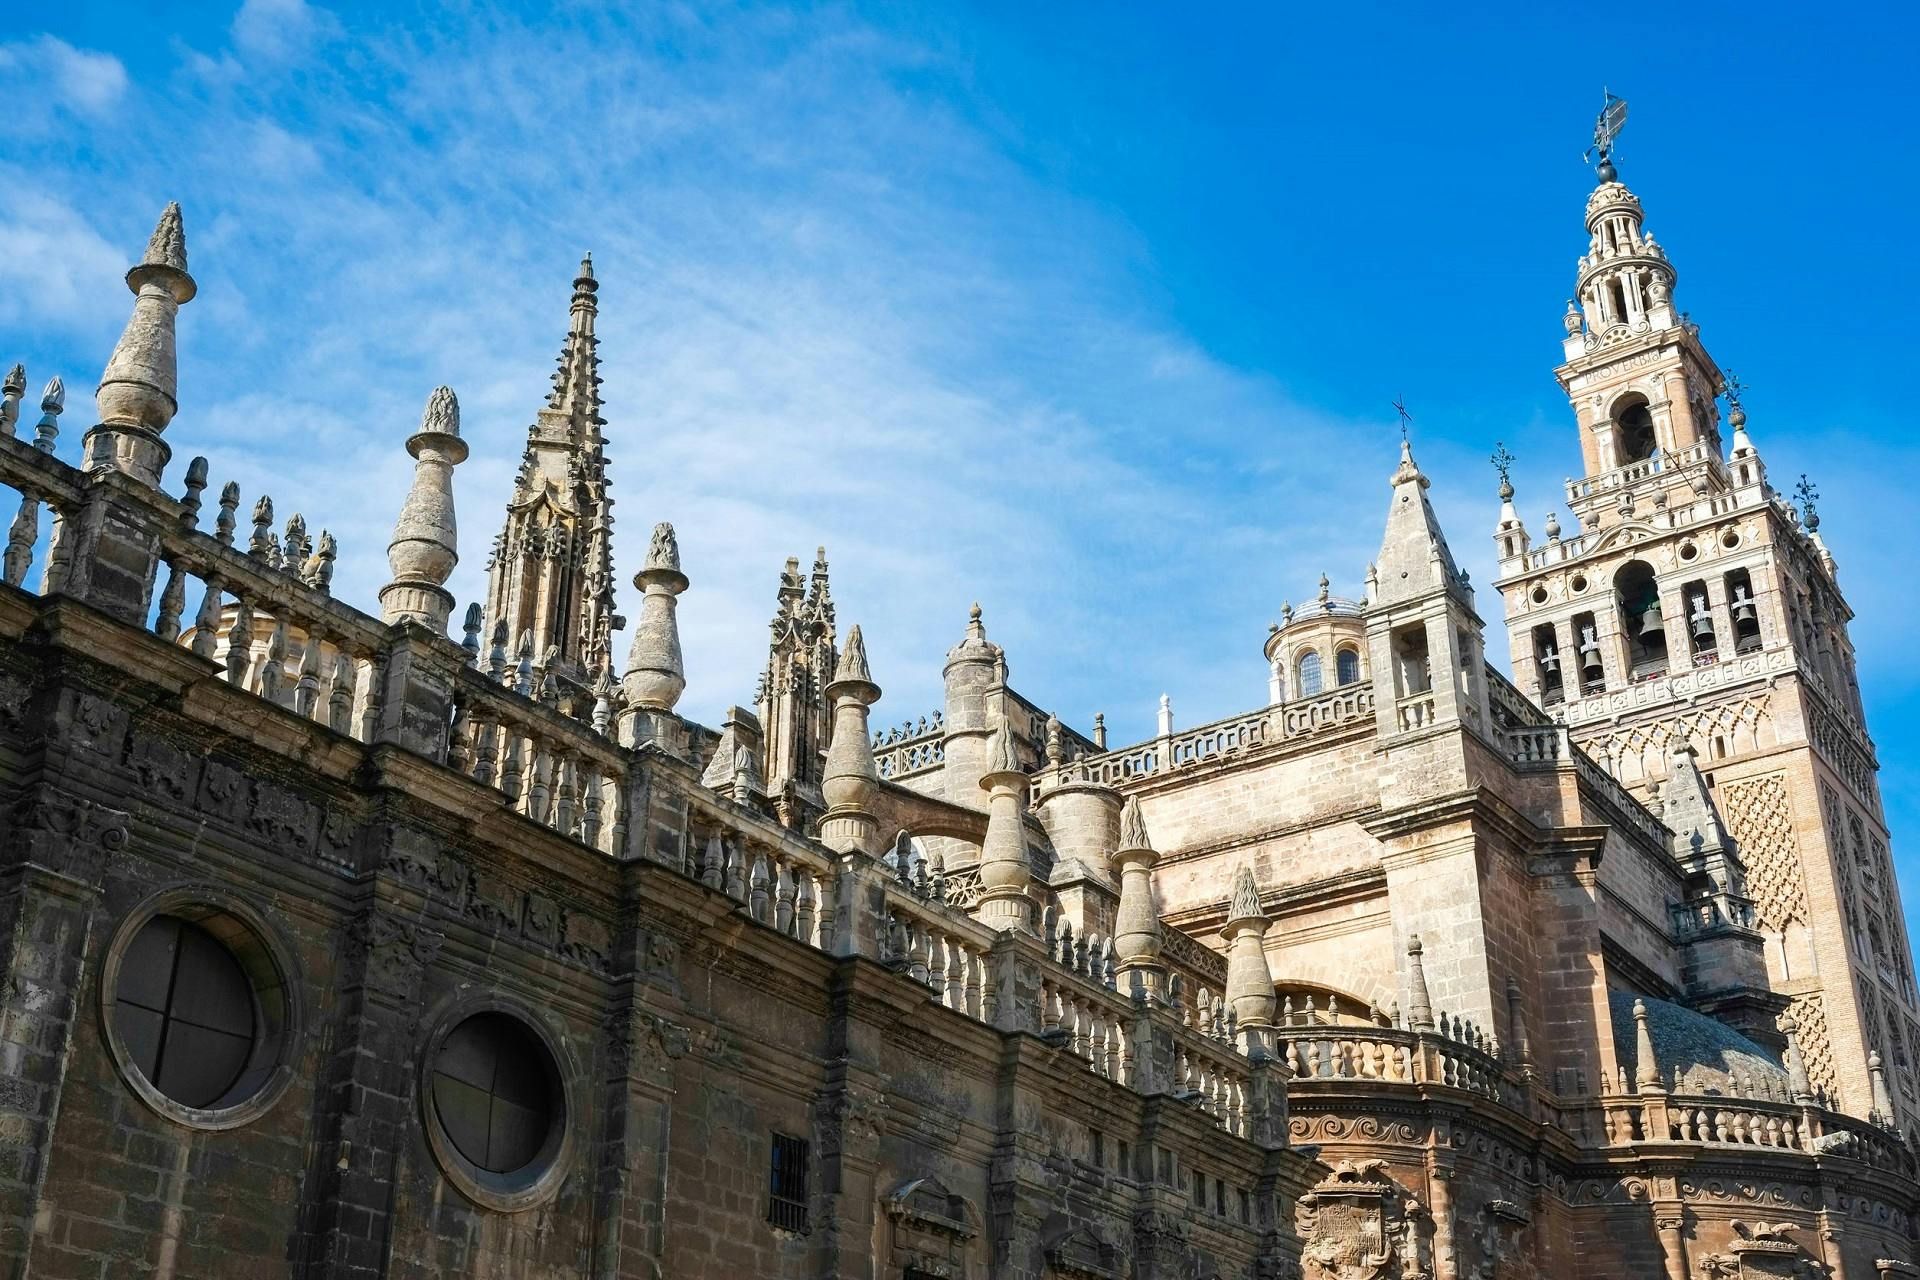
pixel 1669 1221
pixel 50 868
pixel 369 1074
pixel 631 1177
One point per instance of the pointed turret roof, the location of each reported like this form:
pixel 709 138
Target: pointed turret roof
pixel 1689 809
pixel 1415 560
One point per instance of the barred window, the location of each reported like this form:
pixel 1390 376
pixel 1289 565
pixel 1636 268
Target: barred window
pixel 787 1183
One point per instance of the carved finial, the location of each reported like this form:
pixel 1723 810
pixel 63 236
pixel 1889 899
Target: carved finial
pixel 196 482
pixel 663 552
pixel 425 544
pixel 1419 1003
pixel 1325 586
pixel 319 568
pixel 852 668
pixel 263 546
pixel 1647 1070
pixel 656 672
pixel 11 390
pixel 52 401
pixel 1133 826
pixel 139 389
pixel 470 634
pixel 168 245
pixel 1245 904
pixel 229 503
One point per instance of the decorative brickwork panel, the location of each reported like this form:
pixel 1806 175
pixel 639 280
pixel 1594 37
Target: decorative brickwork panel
pixel 1761 821
pixel 1816 1050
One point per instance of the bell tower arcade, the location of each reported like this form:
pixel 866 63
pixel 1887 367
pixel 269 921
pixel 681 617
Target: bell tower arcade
pixel 1696 614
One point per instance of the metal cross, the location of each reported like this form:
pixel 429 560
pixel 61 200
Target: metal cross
pixel 1406 419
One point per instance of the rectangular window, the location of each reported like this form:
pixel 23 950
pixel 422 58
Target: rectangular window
pixel 1199 1190
pixel 1099 1149
pixel 1220 1197
pixel 1246 1207
pixel 787 1183
pixel 1126 1159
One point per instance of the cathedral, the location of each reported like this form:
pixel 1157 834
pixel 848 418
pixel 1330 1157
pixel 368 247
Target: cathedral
pixel 436 942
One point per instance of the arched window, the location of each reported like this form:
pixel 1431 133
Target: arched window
pixel 1347 666
pixel 1309 674
pixel 1641 618
pixel 1633 430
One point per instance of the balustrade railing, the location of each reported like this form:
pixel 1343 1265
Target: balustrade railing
pixel 1655 1116
pixel 1225 739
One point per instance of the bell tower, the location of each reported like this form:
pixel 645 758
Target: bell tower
pixel 1696 615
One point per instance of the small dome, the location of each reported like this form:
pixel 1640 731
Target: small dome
pixel 1697 1054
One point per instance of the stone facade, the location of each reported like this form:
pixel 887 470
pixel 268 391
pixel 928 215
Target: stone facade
pixel 339 947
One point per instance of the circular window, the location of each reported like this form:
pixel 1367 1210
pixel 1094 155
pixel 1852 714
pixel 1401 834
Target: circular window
pixel 1579 583
pixel 1540 595
pixel 1688 551
pixel 198 1011
pixel 1730 539
pixel 497 1109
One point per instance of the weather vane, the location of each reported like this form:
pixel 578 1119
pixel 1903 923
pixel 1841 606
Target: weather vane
pixel 1502 461
pixel 1606 128
pixel 1406 419
pixel 1731 389
pixel 1808 495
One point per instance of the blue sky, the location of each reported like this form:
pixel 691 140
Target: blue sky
pixel 1090 312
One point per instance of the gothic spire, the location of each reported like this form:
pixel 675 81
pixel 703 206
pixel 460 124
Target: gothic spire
pixel 551 574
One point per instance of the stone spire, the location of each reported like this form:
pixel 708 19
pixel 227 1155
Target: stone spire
pixel 852 781
pixel 656 674
pixel 1699 838
pixel 1646 1074
pixel 1798 1084
pixel 1137 938
pixel 425 544
pixel 1882 1098
pixel 795 715
pixel 551 572
pixel 1005 873
pixel 973 704
pixel 139 390
pixel 1415 560
pixel 1419 1003
pixel 1249 979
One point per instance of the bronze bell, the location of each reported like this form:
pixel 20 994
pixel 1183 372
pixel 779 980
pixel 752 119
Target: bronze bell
pixel 1653 622
pixel 1549 659
pixel 1742 606
pixel 1590 664
pixel 1702 621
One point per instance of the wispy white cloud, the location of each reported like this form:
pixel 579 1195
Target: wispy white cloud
pixel 833 312
pixel 48 70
